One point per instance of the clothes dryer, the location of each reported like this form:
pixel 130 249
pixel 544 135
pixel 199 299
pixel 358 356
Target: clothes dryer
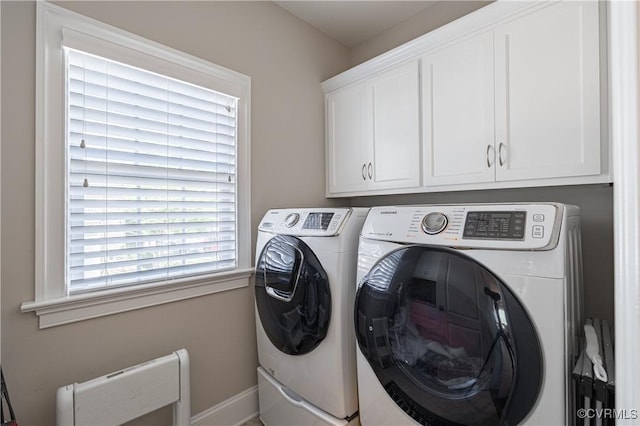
pixel 468 314
pixel 304 290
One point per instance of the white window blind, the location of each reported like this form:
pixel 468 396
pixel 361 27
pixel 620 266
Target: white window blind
pixel 151 176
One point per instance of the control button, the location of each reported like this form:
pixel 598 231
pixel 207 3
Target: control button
pixel 434 223
pixel 538 218
pixel 291 219
pixel 538 231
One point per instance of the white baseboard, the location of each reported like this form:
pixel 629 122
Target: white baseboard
pixel 233 412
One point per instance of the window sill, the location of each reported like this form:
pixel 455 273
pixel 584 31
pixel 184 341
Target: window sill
pixel 65 310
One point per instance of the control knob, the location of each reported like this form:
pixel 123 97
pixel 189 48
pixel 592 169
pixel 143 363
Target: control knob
pixel 291 219
pixel 434 223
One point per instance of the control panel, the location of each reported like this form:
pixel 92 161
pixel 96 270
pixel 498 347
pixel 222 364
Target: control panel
pixel 495 225
pixel 305 222
pixel 490 226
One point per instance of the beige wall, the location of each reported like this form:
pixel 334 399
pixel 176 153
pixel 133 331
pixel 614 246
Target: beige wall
pixel 286 60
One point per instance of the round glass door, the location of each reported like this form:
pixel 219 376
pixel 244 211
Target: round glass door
pixel 448 341
pixel 292 295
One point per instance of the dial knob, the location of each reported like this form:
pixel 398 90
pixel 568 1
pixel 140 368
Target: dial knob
pixel 291 219
pixel 434 223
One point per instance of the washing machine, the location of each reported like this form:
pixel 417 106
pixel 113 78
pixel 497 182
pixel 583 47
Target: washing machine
pixel 304 291
pixel 468 314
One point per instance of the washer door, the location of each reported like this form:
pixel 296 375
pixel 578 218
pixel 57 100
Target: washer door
pixel 292 295
pixel 447 339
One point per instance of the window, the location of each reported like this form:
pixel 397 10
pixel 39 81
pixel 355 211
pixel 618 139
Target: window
pixel 143 185
pixel 150 176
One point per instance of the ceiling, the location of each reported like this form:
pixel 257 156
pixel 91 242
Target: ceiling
pixel 352 22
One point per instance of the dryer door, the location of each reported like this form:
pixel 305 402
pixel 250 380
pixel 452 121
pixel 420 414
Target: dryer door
pixel 292 295
pixel 449 342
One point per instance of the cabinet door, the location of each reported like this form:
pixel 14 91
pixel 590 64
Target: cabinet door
pixel 547 93
pixel 347 132
pixel 458 113
pixel 395 117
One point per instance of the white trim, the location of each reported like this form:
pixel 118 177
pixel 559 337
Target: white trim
pixel 604 178
pixel 65 310
pixel 235 411
pixel 82 29
pixel 51 301
pixel 0 184
pixel 624 73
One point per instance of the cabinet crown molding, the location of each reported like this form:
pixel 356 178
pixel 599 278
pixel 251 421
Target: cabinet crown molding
pixel 481 20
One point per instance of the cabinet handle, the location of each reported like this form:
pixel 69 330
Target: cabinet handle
pixel 370 170
pixel 489 155
pixel 502 163
pixel 364 171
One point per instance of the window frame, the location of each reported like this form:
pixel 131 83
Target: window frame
pixel 51 302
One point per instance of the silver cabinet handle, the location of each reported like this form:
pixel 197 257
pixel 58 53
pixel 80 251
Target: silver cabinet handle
pixel 370 169
pixel 364 171
pixel 490 154
pixel 502 162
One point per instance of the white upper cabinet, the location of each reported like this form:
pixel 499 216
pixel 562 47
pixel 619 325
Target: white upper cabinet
pixel 511 95
pixel 373 133
pixel 395 103
pixel 457 113
pixel 548 93
pixel 347 147
pixel 541 117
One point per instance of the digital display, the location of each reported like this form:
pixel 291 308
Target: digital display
pixel 495 225
pixel 317 221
